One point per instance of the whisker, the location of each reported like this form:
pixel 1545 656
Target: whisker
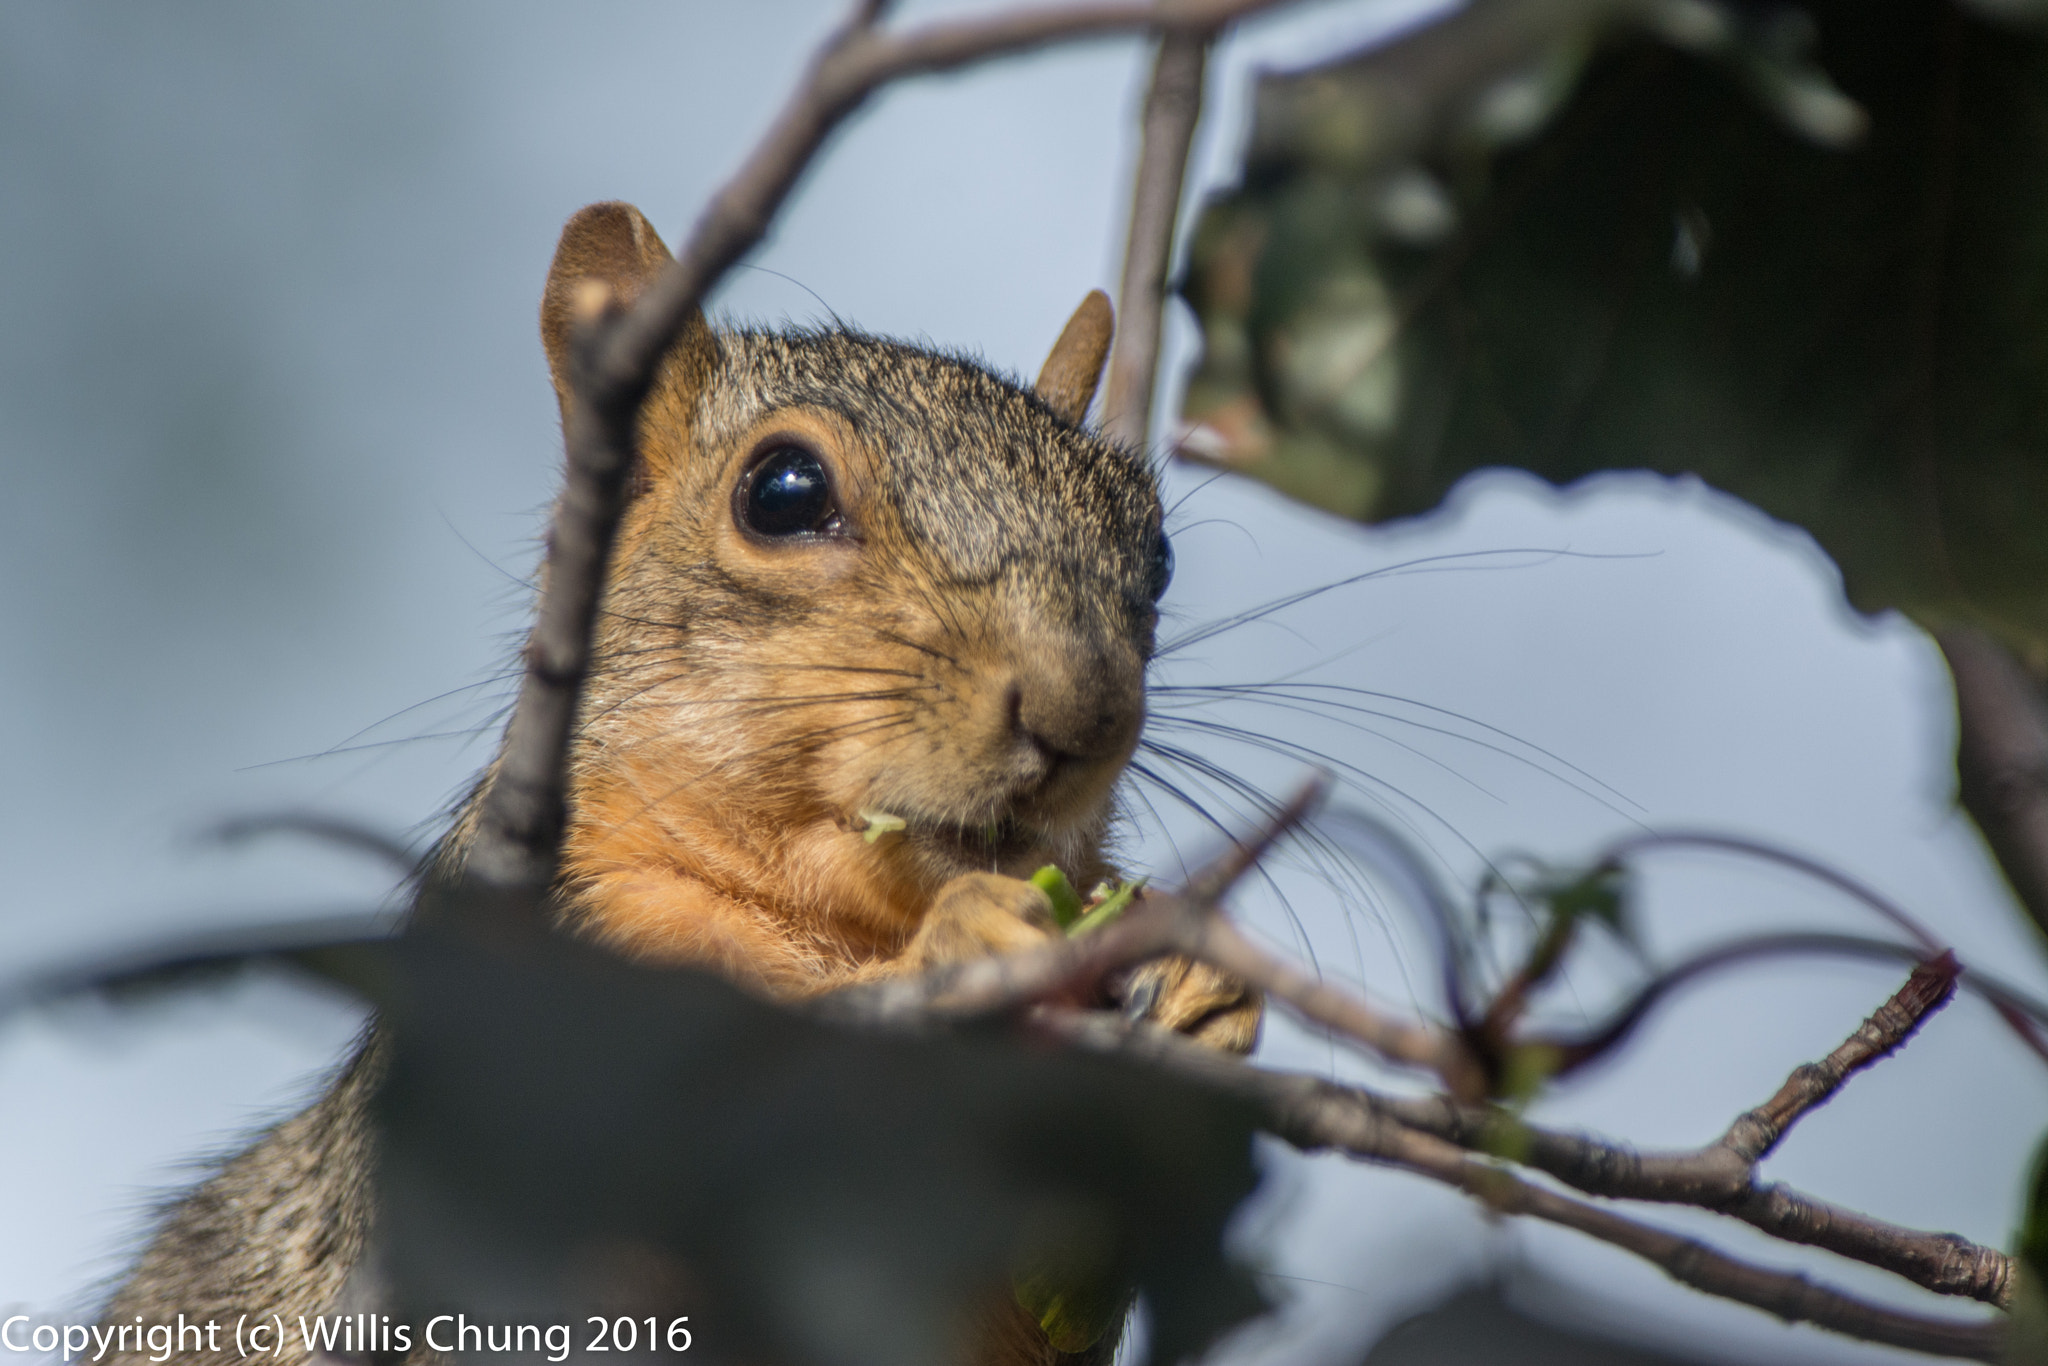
pixel 1450 561
pixel 1321 858
pixel 1183 500
pixel 1216 772
pixel 907 643
pixel 1364 785
pixel 1265 875
pixel 1224 728
pixel 1246 689
pixel 489 724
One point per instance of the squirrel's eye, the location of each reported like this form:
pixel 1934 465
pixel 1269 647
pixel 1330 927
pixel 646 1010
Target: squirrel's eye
pixel 1161 568
pixel 788 495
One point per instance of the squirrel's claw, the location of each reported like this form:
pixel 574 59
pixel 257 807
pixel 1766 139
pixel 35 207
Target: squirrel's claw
pixel 1195 999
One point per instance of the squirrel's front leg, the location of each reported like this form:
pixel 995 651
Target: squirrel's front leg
pixel 980 915
pixel 1194 999
pixel 977 915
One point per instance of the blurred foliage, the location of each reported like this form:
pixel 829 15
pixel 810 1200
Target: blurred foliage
pixel 1802 253
pixel 568 1133
pixel 2028 1343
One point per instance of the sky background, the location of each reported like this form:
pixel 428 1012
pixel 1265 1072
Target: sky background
pixel 276 432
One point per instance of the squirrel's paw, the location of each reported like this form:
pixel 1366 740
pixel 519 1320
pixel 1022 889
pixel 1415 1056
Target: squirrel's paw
pixel 1195 999
pixel 979 915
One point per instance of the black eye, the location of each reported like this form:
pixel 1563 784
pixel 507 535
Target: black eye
pixel 787 494
pixel 1161 573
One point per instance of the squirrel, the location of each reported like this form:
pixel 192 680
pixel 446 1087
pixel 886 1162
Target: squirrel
pixel 872 650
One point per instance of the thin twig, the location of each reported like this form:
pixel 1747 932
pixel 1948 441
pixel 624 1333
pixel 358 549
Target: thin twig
pixel 1218 943
pixel 1688 1261
pixel 615 353
pixel 525 808
pixel 2021 1012
pixel 1722 1176
pixel 1315 1115
pixel 1622 850
pixel 333 830
pixel 856 62
pixel 1173 105
pixel 1756 1133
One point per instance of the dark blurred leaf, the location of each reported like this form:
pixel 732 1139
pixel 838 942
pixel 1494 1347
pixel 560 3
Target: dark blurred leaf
pixel 1705 262
pixel 2033 1240
pixel 1599 893
pixel 344 948
pixel 2028 1342
pixel 566 1133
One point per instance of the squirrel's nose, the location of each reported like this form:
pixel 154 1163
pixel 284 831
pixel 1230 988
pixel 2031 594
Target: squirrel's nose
pixel 1076 705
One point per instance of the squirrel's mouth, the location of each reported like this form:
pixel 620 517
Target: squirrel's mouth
pixel 994 843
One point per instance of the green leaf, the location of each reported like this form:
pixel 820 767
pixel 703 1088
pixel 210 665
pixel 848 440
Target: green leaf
pixel 1600 893
pixel 1066 902
pixel 1525 1070
pixel 1106 909
pixel 1802 255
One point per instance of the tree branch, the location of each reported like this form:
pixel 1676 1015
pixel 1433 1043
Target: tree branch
pixel 1788 1295
pixel 1315 1115
pixel 1218 943
pixel 1722 1176
pixel 1756 1133
pixel 1173 106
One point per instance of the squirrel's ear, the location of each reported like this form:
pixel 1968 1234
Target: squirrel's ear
pixel 1067 382
pixel 616 246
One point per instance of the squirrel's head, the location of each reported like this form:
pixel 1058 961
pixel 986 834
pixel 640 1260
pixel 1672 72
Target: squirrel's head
pixel 859 583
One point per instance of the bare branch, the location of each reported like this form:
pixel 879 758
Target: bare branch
pixel 1788 1295
pixel 524 811
pixel 852 66
pixel 1715 1178
pixel 1173 105
pixel 1719 1177
pixel 334 830
pixel 2002 759
pixel 525 808
pixel 1218 943
pixel 1770 853
pixel 1722 1175
pixel 1313 1115
pixel 1755 1134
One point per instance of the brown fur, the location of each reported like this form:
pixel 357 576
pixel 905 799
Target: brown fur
pixel 1068 379
pixel 968 655
pixel 276 1231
